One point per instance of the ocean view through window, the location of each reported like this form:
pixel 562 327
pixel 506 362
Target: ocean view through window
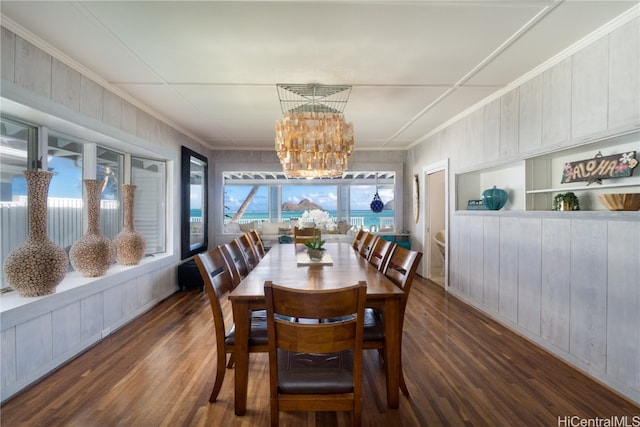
pixel 287 201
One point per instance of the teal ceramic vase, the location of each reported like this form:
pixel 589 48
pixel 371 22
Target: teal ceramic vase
pixel 495 198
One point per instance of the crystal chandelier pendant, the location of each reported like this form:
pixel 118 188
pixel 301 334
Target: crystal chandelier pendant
pixel 312 138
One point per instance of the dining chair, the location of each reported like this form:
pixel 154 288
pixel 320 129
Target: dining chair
pixel 216 276
pixel 366 243
pixel 257 242
pixel 379 254
pixel 401 270
pixel 303 235
pixel 315 366
pixel 356 240
pixel 232 252
pixel 248 251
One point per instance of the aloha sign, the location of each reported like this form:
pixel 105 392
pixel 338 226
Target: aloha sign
pixel 600 167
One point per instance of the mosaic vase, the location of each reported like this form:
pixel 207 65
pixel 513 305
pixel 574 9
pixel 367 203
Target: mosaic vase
pixel 38 265
pixel 130 244
pixel 93 253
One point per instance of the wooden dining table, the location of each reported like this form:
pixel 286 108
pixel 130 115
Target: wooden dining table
pixel 280 265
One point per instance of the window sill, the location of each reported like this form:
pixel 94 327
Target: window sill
pixel 14 307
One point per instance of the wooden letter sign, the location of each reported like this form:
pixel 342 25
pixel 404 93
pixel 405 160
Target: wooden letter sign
pixel 600 167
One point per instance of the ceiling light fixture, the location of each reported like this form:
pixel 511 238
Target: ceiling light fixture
pixel 312 138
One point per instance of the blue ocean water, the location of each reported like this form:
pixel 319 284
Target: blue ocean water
pixel 369 217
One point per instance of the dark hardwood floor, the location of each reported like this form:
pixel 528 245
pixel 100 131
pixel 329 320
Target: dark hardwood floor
pixel 462 369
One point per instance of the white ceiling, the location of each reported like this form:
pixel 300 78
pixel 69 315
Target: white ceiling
pixel 210 68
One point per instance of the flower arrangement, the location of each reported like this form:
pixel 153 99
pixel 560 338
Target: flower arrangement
pixel 316 243
pixel 315 246
pixel 320 218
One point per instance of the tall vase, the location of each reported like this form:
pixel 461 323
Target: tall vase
pixel 93 253
pixel 38 265
pixel 130 244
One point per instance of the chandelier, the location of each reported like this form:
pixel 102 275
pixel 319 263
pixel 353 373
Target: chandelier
pixel 312 138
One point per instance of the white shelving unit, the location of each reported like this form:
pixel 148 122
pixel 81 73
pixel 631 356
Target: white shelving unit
pixel 533 182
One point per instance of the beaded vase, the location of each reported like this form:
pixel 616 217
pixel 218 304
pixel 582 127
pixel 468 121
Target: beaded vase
pixel 130 244
pixel 93 253
pixel 38 265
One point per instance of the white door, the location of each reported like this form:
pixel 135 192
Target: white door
pixel 435 209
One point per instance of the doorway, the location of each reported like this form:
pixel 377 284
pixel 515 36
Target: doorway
pixel 436 223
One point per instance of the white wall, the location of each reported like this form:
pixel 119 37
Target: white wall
pixel 566 280
pixel 39 334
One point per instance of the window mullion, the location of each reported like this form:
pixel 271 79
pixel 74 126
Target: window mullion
pixel 90 161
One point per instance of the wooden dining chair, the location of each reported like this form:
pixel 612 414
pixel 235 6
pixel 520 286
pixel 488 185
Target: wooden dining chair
pixel 368 240
pixel 303 235
pixel 357 238
pixel 315 366
pixel 400 269
pixel 232 252
pixel 257 242
pixel 379 254
pixel 249 251
pixel 216 276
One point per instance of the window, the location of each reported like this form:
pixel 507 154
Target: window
pixel 18 150
pixel 150 216
pixel 67 157
pixel 110 169
pixel 299 198
pixel 360 213
pixel 271 196
pixel 246 203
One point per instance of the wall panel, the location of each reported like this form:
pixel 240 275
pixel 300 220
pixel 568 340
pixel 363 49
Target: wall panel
pixel 555 295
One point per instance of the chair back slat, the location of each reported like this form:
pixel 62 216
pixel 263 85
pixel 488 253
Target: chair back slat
pixel 379 254
pixel 367 242
pixel 257 241
pixel 401 269
pixel 218 281
pixel 302 235
pixel 358 237
pixel 237 264
pixel 248 251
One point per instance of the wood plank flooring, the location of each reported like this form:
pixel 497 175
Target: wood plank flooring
pixel 461 367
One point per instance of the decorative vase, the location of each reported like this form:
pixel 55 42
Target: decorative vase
pixel 93 253
pixel 38 265
pixel 495 198
pixel 130 244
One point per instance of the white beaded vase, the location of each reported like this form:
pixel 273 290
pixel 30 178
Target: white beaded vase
pixel 93 253
pixel 130 244
pixel 37 266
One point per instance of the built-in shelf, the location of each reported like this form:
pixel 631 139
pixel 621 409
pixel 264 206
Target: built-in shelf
pixel 584 187
pixel 532 182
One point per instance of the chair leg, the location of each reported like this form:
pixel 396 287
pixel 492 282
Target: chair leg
pixel 403 385
pixel 231 362
pixel 220 370
pixel 357 414
pixel 275 415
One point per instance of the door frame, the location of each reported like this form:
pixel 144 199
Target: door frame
pixel 442 165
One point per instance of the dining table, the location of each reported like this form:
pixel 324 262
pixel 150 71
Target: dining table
pixel 289 265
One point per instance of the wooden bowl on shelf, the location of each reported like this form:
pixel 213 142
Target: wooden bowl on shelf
pixel 621 201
